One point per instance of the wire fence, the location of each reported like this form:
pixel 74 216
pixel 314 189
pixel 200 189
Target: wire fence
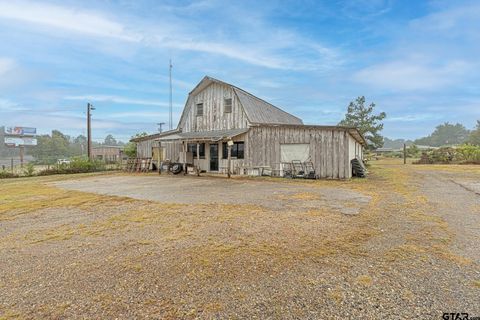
pixel 16 166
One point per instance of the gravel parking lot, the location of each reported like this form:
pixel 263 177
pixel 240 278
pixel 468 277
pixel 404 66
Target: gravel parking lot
pixel 273 194
pixel 400 244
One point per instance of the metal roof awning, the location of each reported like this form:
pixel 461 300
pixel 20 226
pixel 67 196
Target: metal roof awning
pixel 214 135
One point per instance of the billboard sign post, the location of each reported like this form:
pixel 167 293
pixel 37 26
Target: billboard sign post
pixel 20 137
pixel 20 141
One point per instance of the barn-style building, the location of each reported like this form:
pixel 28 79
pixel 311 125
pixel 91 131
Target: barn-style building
pixel 261 135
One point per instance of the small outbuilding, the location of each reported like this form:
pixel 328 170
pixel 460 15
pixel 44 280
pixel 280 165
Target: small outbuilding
pixel 219 116
pixel 109 154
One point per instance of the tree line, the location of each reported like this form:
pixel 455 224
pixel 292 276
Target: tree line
pixel 370 125
pixel 445 134
pixel 58 145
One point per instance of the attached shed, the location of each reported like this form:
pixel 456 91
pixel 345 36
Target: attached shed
pixel 147 145
pixel 260 134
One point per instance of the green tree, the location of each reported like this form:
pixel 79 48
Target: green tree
pixel 50 148
pixel 474 137
pixel 110 141
pixel 130 148
pixel 445 134
pixel 368 123
pixel 396 144
pixel 78 146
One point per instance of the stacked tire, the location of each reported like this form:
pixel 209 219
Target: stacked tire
pixel 358 168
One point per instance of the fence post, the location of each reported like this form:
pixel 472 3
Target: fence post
pixel 11 164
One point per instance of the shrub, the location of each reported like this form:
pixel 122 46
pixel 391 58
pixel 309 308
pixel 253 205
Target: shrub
pixel 5 175
pixel 462 154
pixel 468 153
pixel 76 165
pixel 443 155
pixel 29 170
pixel 413 151
pixel 85 165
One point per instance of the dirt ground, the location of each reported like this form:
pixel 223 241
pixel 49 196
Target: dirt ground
pixel 273 194
pixel 401 244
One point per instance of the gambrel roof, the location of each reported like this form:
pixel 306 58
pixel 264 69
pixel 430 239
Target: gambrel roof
pixel 258 111
pixel 261 112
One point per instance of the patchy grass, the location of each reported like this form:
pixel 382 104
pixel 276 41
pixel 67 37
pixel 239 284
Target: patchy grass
pixel 9 314
pixel 29 196
pixel 364 280
pixel 337 295
pixel 304 196
pixel 204 245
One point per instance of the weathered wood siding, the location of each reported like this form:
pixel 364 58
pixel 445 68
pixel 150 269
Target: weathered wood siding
pixel 329 148
pixel 172 150
pixel 355 148
pixel 214 117
pixel 144 148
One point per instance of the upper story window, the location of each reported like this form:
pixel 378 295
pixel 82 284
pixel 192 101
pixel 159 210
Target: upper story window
pixel 199 109
pixel 227 105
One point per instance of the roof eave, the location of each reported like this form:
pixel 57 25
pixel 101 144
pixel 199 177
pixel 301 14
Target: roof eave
pixel 154 136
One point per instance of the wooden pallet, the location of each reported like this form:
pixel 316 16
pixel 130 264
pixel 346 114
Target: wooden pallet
pixel 138 165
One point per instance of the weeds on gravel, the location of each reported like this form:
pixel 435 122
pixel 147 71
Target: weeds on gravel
pixel 433 235
pixel 22 198
pixel 364 280
pixel 10 314
pixel 336 295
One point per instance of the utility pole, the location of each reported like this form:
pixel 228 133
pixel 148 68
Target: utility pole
pixel 22 152
pixel 89 130
pixel 404 153
pixel 160 124
pixel 170 125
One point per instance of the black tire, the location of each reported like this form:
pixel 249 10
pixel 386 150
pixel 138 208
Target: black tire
pixel 288 175
pixel 176 168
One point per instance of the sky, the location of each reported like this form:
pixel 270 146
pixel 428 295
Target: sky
pixel 418 61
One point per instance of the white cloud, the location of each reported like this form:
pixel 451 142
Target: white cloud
pixel 85 22
pixel 269 47
pixel 448 20
pixel 412 118
pixel 138 114
pixel 117 99
pixel 438 51
pixel 6 65
pixel 412 75
pixel 9 106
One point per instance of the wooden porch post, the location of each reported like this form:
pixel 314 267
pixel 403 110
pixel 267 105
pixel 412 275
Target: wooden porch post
pixel 184 158
pixel 158 157
pixel 229 149
pixel 198 159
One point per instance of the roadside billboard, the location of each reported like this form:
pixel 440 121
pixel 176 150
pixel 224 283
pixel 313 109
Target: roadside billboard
pixel 20 141
pixel 20 131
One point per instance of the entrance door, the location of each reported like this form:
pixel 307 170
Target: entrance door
pixel 214 157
